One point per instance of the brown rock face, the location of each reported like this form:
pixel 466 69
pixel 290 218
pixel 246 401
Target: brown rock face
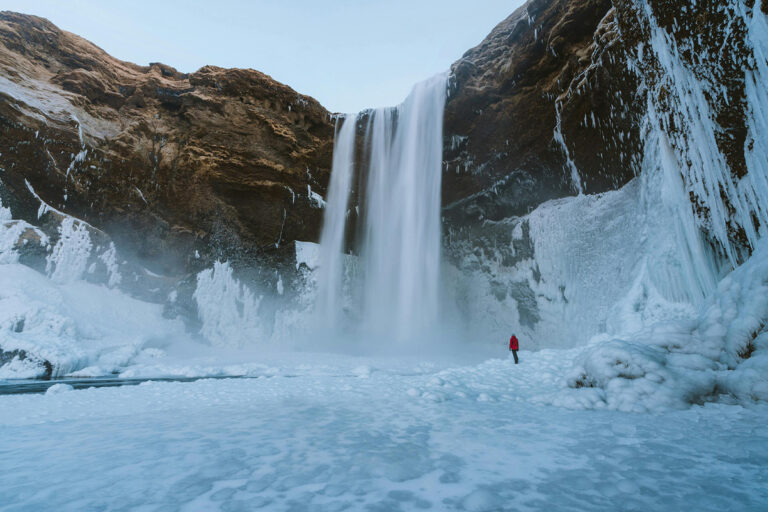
pixel 218 161
pixel 552 67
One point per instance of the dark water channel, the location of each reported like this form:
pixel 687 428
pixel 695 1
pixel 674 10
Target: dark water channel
pixel 32 386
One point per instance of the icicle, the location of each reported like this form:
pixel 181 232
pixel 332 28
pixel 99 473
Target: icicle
pixel 575 178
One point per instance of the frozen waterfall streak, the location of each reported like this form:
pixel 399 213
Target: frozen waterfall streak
pixel 733 203
pixel 558 135
pixel 756 147
pixel 334 223
pixel 401 251
pixel 695 277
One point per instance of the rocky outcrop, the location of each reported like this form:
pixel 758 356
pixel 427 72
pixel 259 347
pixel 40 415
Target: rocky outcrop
pixel 544 107
pixel 178 169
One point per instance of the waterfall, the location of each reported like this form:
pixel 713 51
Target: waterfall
pixel 399 240
pixel 401 246
pixel 329 301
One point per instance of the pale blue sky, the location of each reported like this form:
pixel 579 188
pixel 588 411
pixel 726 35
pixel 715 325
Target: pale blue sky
pixel 349 54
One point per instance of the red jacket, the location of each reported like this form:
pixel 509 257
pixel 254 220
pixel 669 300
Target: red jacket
pixel 513 343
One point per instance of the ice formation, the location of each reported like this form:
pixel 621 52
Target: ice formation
pixel 69 258
pixel 74 326
pixel 722 350
pixel 228 310
pixel 733 203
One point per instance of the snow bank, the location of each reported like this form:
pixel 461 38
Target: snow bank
pixel 74 325
pixel 723 350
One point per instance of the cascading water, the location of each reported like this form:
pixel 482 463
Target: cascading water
pixel 400 238
pixel 329 302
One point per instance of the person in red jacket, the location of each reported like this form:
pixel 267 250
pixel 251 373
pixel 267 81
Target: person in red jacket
pixel 514 346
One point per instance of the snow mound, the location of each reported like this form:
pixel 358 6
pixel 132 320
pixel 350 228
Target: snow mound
pixel 59 388
pixel 722 351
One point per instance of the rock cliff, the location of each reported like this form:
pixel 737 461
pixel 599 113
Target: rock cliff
pixel 559 99
pixel 544 107
pixel 215 163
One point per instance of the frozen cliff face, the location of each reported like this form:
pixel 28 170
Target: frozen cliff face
pixel 703 72
pixel 683 101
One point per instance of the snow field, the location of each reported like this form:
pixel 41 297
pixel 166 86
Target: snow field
pixel 362 434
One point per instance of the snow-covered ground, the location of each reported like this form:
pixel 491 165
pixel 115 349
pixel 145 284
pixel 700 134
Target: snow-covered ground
pixel 327 432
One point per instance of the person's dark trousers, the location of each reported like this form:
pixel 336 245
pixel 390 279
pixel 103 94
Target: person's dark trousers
pixel 514 353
